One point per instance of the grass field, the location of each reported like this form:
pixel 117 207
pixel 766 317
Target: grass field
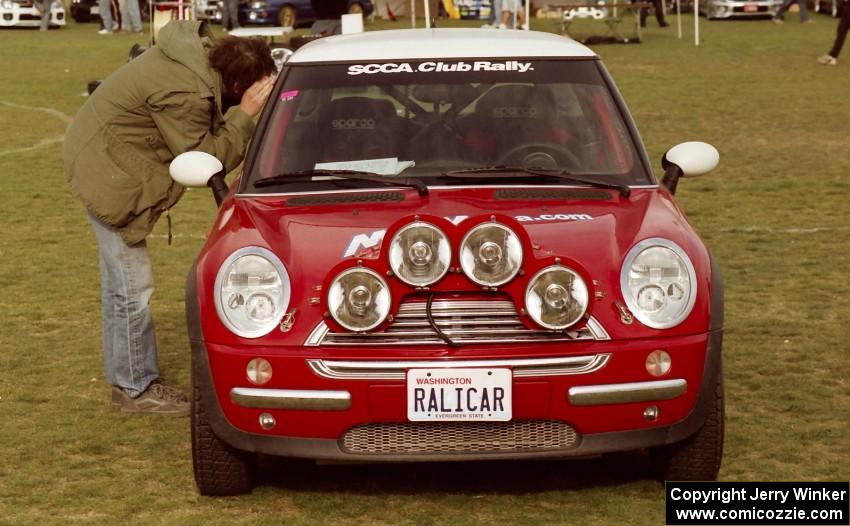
pixel 776 215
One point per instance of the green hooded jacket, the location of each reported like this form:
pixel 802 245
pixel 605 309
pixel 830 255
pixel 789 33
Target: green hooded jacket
pixel 163 103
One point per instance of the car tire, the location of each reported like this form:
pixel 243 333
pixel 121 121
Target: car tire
pixel 220 469
pixel 698 457
pixel 286 16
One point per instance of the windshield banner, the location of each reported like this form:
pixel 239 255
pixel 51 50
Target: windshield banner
pixel 440 67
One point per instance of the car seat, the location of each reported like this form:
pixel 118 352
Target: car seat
pixel 510 115
pixel 356 128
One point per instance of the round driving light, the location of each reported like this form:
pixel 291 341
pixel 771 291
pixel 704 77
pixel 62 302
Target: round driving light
pixel 491 254
pixel 658 363
pixel 556 297
pixel 259 371
pixel 359 299
pixel 420 254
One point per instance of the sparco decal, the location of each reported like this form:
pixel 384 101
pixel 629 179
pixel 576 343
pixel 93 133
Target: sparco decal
pixel 440 67
pixel 353 124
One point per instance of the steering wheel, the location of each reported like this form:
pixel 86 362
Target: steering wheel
pixel 540 155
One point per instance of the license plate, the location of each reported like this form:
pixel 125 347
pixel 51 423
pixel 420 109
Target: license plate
pixel 750 8
pixel 459 395
pixel 95 10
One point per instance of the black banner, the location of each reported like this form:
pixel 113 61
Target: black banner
pixel 762 503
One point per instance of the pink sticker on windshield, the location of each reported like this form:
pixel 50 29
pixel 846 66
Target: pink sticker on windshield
pixel 287 96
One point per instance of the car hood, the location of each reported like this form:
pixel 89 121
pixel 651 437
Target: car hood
pixel 596 228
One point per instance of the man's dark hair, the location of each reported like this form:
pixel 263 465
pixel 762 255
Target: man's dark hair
pixel 241 62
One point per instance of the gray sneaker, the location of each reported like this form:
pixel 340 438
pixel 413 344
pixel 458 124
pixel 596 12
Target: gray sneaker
pixel 158 399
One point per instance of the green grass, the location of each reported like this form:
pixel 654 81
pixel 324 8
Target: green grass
pixel 775 214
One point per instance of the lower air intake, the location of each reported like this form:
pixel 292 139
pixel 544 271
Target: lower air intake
pixel 459 437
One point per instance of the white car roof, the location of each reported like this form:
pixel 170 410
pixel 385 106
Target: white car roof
pixel 409 44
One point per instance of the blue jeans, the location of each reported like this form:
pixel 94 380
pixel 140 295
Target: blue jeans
pixel 104 8
pixel 804 15
pixel 132 19
pixel 43 7
pixel 126 287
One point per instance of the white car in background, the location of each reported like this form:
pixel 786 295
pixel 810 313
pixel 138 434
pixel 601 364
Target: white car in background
pixel 23 13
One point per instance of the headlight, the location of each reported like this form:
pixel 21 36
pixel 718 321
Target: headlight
pixel 420 254
pixel 259 5
pixel 251 292
pixel 556 297
pixel 491 254
pixel 359 299
pixel 658 283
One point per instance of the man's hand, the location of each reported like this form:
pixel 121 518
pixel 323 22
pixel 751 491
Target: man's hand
pixel 255 96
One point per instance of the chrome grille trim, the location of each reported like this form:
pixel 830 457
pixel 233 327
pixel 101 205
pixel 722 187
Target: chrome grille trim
pixel 430 438
pixel 464 321
pixel 397 369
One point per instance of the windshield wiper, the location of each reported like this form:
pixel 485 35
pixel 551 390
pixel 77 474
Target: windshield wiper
pixel 508 172
pixel 303 176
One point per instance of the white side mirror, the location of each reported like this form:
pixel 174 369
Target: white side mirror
pixel 693 158
pixel 194 169
pixel 280 55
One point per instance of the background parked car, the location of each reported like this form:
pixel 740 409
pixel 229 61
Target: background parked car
pixel 714 9
pixel 208 10
pixel 23 13
pixel 89 10
pixel 290 13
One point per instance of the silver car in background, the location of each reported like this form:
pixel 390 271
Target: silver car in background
pixel 715 9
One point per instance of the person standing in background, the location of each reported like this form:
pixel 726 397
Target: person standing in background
pixel 328 16
pixel 779 17
pixel 495 14
pixel 508 9
pixel 104 8
pixel 132 19
pixel 229 14
pixel 659 14
pixel 831 58
pixel 43 7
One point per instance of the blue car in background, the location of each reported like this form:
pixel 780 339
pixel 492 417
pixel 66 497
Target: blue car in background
pixel 290 13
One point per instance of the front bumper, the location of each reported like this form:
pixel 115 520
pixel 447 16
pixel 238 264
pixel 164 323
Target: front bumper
pixel 737 8
pixel 600 390
pixel 312 407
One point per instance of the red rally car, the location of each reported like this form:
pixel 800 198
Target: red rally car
pixel 449 245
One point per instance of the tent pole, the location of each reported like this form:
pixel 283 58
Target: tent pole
pixel 679 17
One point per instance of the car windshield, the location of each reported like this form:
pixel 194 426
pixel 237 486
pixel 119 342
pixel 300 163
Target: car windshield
pixel 444 123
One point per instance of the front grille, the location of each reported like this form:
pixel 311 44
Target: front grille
pixel 459 437
pixel 463 320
